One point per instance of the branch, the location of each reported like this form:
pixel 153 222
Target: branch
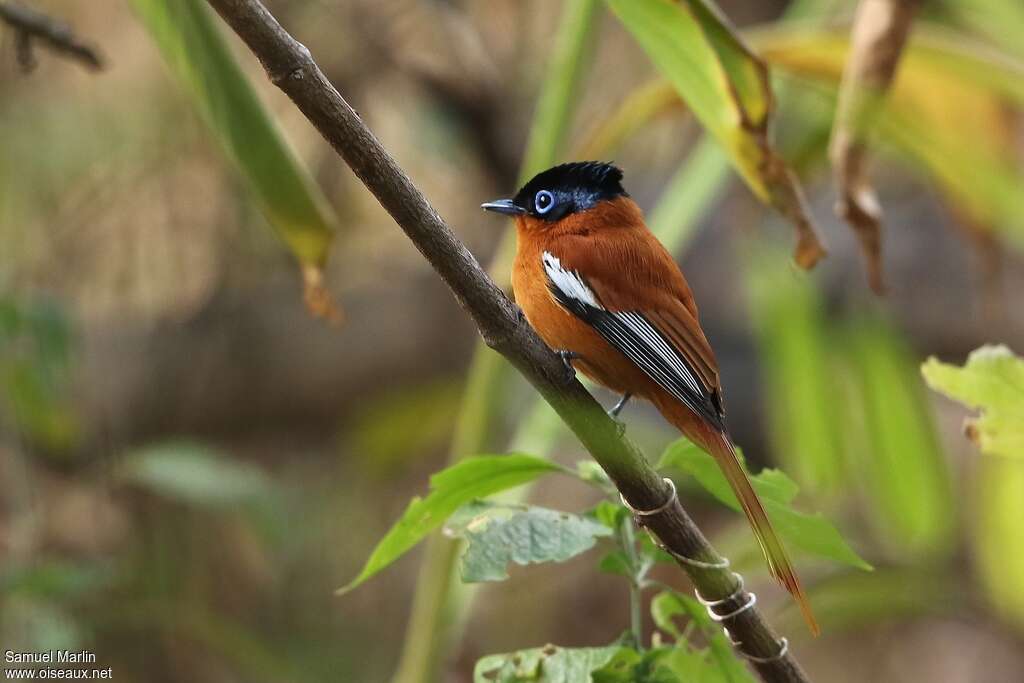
pixel 30 25
pixel 290 66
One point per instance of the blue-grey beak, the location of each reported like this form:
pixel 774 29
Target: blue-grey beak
pixel 503 206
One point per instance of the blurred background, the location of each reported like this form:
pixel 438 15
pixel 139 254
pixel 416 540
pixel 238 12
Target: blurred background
pixel 191 461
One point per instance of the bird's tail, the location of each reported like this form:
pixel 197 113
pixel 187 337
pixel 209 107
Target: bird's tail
pixel 718 445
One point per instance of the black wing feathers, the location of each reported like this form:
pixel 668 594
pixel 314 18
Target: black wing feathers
pixel 632 334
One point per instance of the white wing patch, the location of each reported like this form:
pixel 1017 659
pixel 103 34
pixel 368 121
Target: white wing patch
pixel 569 283
pixel 634 336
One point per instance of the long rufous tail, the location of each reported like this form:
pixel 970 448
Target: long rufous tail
pixel 719 446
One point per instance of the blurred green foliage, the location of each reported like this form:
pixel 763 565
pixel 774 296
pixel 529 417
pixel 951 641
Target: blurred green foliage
pixel 35 355
pixel 231 560
pixel 193 473
pixel 294 205
pixel 894 447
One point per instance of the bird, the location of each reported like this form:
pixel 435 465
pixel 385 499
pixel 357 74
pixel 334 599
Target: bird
pixel 602 291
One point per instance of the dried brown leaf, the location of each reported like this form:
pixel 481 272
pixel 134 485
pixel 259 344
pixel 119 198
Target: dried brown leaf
pixel 879 35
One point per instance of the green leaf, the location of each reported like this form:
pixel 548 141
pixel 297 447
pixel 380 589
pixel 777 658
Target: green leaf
pixel 192 473
pixel 497 534
pixel 616 562
pixel 451 488
pixel 810 533
pixel 718 663
pixel 197 54
pixel 610 514
pixel 727 88
pixel 665 607
pixel 992 381
pixel 548 664
pixel 629 666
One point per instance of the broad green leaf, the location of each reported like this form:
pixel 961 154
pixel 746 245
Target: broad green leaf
pixel 811 533
pixel 476 477
pixel 893 444
pixel 497 534
pixel 193 473
pixel 548 664
pixel 195 50
pixel 991 381
pixel 727 88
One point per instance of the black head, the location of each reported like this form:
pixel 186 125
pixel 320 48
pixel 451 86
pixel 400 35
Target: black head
pixel 557 192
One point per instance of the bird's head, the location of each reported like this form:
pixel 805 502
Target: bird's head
pixel 561 192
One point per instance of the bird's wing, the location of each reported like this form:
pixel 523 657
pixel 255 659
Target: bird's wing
pixel 657 330
pixel 660 336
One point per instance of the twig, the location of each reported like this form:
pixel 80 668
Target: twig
pixel 290 66
pixel 30 26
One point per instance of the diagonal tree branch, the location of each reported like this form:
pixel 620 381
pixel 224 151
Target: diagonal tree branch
pixel 291 67
pixel 31 26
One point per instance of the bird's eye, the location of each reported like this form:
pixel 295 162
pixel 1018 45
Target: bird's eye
pixel 543 201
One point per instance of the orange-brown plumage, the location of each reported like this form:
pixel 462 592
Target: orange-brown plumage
pixel 592 279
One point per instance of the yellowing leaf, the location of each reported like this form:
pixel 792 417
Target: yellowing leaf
pixel 947 84
pixel 993 382
pixel 726 86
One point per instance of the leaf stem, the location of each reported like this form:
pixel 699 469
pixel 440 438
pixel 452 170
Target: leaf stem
pixel 627 539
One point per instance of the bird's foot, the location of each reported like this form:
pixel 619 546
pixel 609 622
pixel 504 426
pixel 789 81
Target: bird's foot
pixel 568 357
pixel 617 408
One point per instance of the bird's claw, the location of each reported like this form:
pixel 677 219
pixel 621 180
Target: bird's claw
pixel 568 357
pixel 617 408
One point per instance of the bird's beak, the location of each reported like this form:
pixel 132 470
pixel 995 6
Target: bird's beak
pixel 503 206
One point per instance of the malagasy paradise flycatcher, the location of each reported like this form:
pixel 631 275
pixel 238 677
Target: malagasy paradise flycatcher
pixel 599 287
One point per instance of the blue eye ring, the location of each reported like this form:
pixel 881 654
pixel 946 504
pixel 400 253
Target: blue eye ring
pixel 543 201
